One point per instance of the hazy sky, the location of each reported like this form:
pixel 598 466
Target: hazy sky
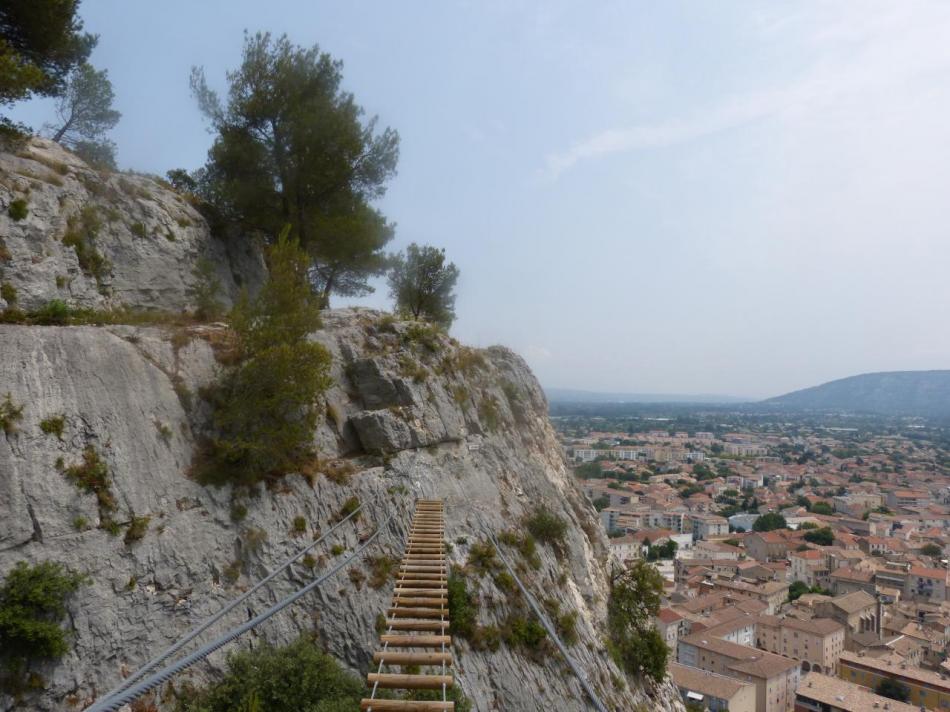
pixel 694 197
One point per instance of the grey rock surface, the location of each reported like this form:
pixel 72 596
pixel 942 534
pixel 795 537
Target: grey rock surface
pixel 151 237
pixel 411 414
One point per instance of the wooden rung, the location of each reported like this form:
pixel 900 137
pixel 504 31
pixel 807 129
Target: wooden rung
pixel 416 641
pixel 411 582
pixel 424 540
pixel 422 568
pixel 409 682
pixel 421 601
pixel 389 657
pixel 417 612
pixel 406 706
pixel 407 624
pixel 413 592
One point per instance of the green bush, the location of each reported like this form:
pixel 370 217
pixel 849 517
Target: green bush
pixel 137 529
pixel 265 408
pixel 206 290
pixel 53 425
pixel 527 633
pixel 32 604
pixel 80 234
pixel 92 475
pixel 482 559
pixel 546 527
pixel 292 678
pixel 10 414
pixel 381 568
pixel 18 210
pixel 52 313
pixel 8 293
pixel 488 413
pixel 138 229
pixel 463 606
pixel 299 525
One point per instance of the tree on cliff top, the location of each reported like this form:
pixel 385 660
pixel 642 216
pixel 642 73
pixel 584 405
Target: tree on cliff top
pixel 293 148
pixel 423 285
pixel 85 108
pixel 41 41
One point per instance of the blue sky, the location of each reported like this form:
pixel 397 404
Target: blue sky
pixel 687 197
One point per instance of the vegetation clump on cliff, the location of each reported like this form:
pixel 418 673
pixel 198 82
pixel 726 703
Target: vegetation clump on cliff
pixel 635 644
pixel 32 604
pixel 265 408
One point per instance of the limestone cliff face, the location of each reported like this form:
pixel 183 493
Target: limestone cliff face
pixel 150 237
pixel 411 414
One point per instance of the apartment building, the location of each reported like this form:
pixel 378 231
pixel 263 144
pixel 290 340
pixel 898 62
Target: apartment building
pixel 822 693
pixel 927 689
pixel 809 566
pixel 708 526
pixel 816 644
pixel 774 677
pixel 923 584
pixel 766 546
pixel 713 692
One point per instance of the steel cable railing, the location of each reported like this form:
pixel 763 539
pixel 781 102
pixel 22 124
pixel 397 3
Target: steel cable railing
pixel 113 703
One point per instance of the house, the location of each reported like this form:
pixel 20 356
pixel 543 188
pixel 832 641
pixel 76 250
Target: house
pixel 809 566
pixel 774 677
pixel 716 693
pixel 766 546
pixel 708 526
pixel 815 643
pixel 926 584
pixel 667 623
pixel 822 693
pixel 847 580
pixel 772 593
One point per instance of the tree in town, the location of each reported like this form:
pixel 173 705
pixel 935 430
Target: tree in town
pixel 888 687
pixel 41 41
pixel 769 522
pixel 265 409
pixel 822 537
pixel 85 108
pixel 423 285
pixel 292 147
pixel 931 550
pixel 821 507
pixel 634 601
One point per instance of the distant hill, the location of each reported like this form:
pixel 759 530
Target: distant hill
pixel 569 395
pixel 918 393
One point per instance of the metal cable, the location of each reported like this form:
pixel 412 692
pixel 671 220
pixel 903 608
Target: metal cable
pixel 114 703
pixel 582 678
pixel 195 632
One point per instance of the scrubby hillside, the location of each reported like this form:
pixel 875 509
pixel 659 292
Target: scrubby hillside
pixel 915 393
pixel 103 422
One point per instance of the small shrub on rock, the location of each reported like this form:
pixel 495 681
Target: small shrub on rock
pixel 8 293
pixel 53 425
pixel 10 414
pixel 137 529
pixel 18 210
pixel 546 527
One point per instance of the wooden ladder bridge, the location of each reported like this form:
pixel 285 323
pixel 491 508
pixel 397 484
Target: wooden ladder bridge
pixel 417 623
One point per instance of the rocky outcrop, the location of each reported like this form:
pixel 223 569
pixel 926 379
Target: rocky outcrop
pixel 411 414
pixel 103 240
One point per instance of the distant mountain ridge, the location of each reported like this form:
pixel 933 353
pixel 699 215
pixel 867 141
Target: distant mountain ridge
pixel 917 393
pixel 571 395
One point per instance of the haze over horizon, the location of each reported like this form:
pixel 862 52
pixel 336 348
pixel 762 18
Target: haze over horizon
pixel 738 199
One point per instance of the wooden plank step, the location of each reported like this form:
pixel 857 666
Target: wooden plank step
pixel 388 657
pixel 409 682
pixel 413 592
pixel 436 601
pixel 406 706
pixel 415 641
pixel 400 612
pixel 407 624
pixel 422 568
pixel 421 582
